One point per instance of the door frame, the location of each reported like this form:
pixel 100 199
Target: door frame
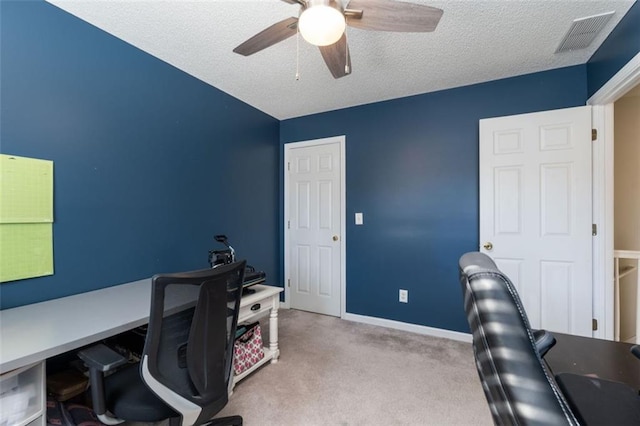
pixel 602 162
pixel 341 140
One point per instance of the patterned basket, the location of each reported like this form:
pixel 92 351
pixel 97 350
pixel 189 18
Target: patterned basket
pixel 247 349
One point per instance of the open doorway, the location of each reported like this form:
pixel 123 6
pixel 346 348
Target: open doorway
pixel 626 240
pixel 604 272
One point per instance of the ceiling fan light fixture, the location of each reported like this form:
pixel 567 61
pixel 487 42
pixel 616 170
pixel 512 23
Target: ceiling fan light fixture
pixel 321 23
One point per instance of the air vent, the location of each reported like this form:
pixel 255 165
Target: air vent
pixel 583 31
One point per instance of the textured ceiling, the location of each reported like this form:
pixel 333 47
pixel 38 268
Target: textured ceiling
pixel 475 41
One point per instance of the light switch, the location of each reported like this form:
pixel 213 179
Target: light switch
pixel 358 218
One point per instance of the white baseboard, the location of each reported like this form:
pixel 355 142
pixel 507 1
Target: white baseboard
pixel 404 326
pixel 413 328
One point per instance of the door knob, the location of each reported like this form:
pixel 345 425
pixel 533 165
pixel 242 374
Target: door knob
pixel 488 246
pixel 335 238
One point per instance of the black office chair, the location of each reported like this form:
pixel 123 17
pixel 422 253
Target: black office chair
pixel 518 385
pixel 185 371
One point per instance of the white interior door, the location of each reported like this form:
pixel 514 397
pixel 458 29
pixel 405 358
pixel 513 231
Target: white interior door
pixel 314 225
pixel 535 212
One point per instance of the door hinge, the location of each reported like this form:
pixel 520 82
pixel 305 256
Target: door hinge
pixel 594 134
pixel 594 324
pixel 288 282
pixel 288 224
pixel 288 166
pixel 594 229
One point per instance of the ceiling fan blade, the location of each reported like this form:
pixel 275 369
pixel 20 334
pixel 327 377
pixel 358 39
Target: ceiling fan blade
pixel 268 37
pixel 389 15
pixel 336 57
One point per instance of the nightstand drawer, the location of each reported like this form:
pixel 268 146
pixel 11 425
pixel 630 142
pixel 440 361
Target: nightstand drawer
pixel 255 310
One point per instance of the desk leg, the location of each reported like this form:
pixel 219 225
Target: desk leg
pixel 273 330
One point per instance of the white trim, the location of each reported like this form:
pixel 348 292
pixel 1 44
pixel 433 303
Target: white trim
pixel 602 120
pixel 623 81
pixel 413 328
pixel 341 140
pixel 603 308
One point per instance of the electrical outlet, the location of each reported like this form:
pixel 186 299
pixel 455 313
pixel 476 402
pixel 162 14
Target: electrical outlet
pixel 403 296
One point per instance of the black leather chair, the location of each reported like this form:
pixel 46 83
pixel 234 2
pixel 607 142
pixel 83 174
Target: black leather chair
pixel 186 366
pixel 518 385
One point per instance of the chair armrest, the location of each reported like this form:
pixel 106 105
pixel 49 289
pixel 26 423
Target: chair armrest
pixel 635 349
pixel 101 358
pixel 544 341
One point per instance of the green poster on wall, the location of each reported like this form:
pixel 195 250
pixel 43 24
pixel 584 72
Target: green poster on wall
pixel 26 250
pixel 26 217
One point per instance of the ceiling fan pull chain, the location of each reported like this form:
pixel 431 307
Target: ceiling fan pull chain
pixel 297 54
pixel 346 49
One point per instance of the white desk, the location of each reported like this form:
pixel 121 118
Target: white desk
pixel 30 334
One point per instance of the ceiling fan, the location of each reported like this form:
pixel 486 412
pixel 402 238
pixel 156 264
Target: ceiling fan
pixel 323 22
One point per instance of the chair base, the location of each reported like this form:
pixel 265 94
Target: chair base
pixel 230 420
pixel 218 421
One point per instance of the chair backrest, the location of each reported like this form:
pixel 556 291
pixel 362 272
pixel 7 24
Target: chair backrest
pixel 518 386
pixel 188 354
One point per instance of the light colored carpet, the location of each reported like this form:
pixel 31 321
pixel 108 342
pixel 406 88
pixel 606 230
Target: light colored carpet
pixel 337 372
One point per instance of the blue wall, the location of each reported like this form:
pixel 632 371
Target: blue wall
pixel 412 169
pixel 622 44
pixel 149 162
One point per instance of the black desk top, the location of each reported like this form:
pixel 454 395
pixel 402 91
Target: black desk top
pixel 588 356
